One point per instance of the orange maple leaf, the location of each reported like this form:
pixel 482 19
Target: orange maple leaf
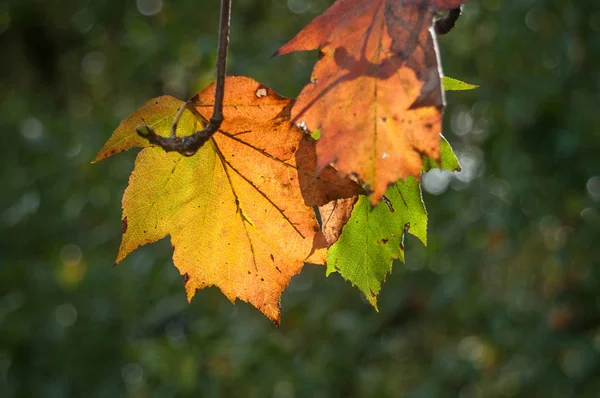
pixel 239 211
pixel 375 91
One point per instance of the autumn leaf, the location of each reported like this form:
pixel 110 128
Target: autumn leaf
pixel 373 237
pixel 375 92
pixel 239 211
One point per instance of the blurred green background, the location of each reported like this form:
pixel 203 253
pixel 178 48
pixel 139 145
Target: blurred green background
pixel 504 302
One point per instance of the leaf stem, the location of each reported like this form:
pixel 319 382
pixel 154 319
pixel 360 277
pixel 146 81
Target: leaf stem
pixel 190 144
pixel 176 119
pixel 448 21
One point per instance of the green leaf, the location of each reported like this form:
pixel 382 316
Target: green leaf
pixel 373 237
pixel 451 84
pixel 448 160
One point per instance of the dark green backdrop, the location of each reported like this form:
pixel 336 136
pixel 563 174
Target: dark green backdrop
pixel 505 301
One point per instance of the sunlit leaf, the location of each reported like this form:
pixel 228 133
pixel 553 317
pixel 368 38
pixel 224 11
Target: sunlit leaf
pixel 375 92
pixel 374 236
pixel 239 212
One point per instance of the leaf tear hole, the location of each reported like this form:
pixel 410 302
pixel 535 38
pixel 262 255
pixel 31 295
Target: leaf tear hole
pixel 389 204
pixel 261 92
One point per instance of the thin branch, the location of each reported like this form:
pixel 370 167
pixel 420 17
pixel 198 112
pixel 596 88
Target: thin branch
pixel 217 116
pixel 190 144
pixel 447 22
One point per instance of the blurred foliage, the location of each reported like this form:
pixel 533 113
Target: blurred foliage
pixel 504 302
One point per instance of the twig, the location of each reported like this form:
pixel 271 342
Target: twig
pixel 217 116
pixel 190 144
pixel 447 22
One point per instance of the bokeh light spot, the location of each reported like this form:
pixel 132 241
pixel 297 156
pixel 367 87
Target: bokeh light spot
pixel 93 63
pixel 65 315
pixel 32 129
pixel 593 187
pixel 149 7
pixel 299 6
pixel 133 375
pixel 436 181
pixel 70 254
pixel 83 21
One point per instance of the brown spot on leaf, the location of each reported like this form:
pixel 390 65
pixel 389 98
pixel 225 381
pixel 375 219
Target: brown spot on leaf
pixel 124 224
pixel 272 258
pixel 185 278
